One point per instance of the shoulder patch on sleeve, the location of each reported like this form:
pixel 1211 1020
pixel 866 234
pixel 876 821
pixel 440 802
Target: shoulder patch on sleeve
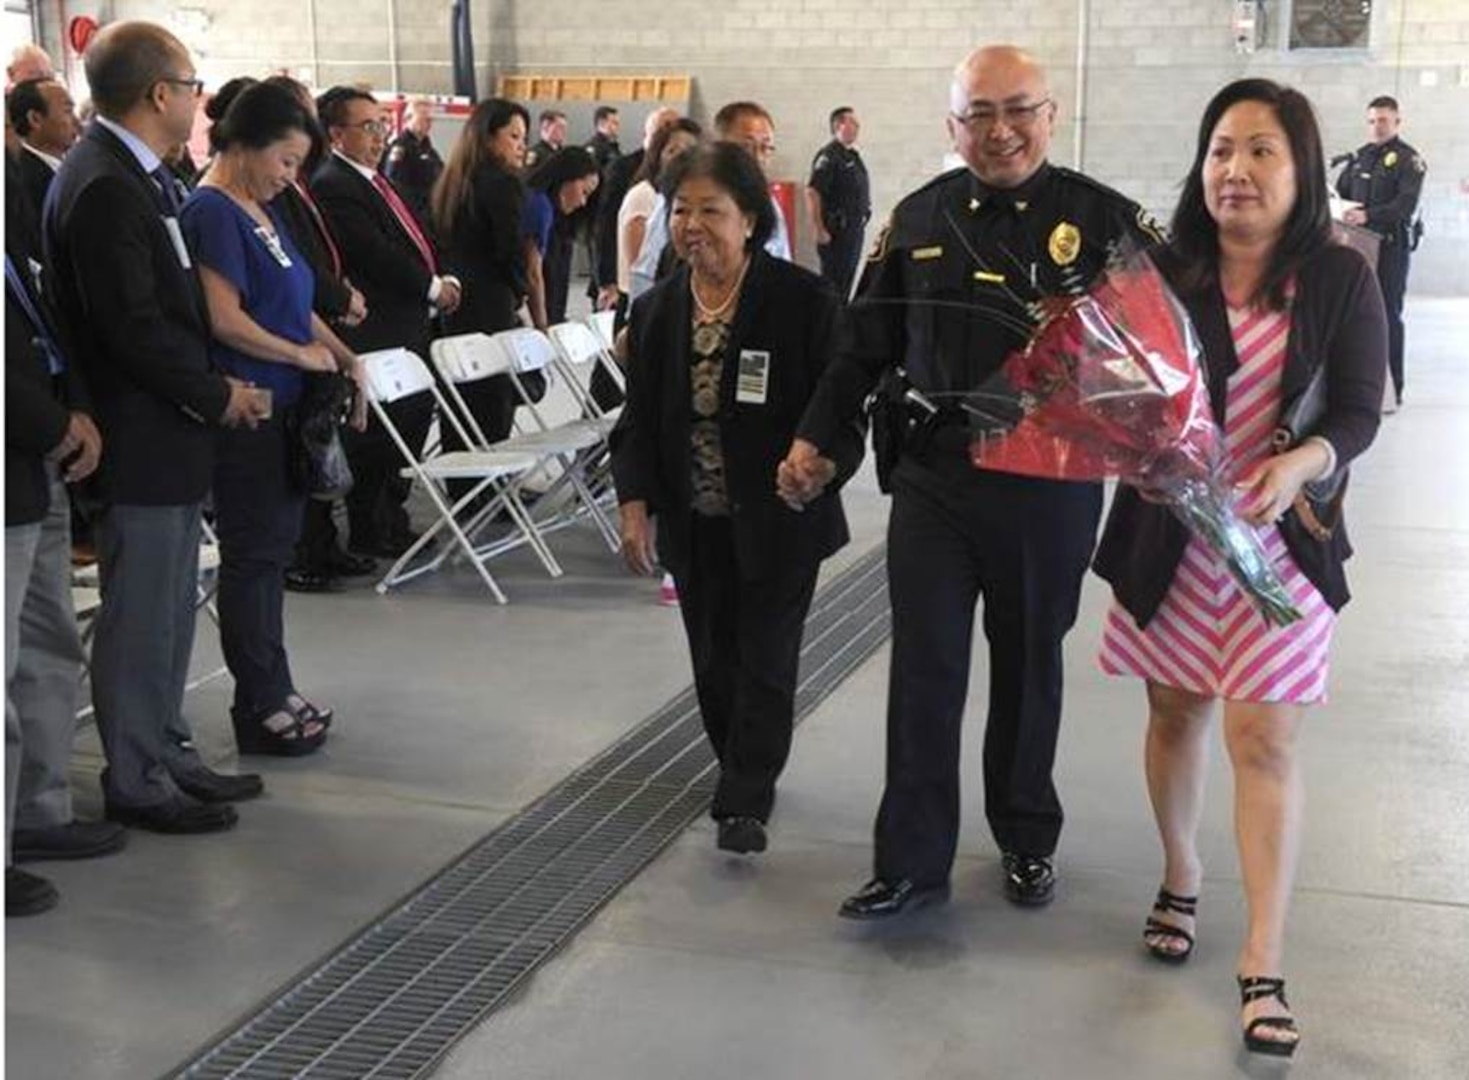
pixel 1150 226
pixel 1419 164
pixel 883 243
pixel 821 162
pixel 396 153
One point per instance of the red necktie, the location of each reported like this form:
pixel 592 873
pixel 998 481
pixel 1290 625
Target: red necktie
pixel 406 219
pixel 321 229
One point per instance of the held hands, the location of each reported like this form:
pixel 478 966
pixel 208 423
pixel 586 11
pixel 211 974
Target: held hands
pixel 607 298
pixel 247 406
pixel 803 475
pixel 1355 216
pixel 637 538
pixel 1270 488
pixel 450 293
pixel 80 448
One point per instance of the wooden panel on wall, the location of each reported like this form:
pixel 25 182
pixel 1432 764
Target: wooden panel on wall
pixel 528 87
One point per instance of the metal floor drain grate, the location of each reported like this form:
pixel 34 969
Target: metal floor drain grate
pixel 396 997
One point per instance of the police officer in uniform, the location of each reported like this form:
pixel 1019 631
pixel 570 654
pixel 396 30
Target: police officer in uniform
pixel 840 202
pixel 411 161
pixel 945 297
pixel 552 125
pixel 1386 177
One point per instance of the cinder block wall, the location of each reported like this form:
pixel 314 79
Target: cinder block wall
pixel 1146 69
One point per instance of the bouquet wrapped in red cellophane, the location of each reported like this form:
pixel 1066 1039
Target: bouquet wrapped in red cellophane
pixel 1112 385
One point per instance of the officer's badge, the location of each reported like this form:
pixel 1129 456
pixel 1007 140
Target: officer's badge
pixel 1390 159
pixel 880 246
pixel 1065 244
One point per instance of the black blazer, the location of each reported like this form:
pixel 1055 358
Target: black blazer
pixel 381 260
pixel 794 316
pixel 484 252
pixel 37 406
pixel 1337 319
pixel 333 295
pixel 614 188
pixel 137 325
pixel 36 175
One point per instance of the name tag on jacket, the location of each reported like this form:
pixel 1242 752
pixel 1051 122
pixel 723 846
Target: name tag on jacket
pixel 752 381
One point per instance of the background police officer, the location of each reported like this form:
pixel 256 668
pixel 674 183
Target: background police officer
pixel 552 126
pixel 1386 177
pixel 839 200
pixel 947 296
pixel 411 161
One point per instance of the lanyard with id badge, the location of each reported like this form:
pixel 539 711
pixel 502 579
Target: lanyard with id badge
pixel 272 242
pixel 752 378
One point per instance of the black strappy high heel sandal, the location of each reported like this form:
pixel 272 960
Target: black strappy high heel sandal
pixel 1256 988
pixel 290 736
pixel 1157 928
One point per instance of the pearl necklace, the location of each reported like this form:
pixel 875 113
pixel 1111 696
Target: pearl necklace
pixel 712 314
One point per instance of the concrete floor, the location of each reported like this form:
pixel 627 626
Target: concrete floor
pixel 454 713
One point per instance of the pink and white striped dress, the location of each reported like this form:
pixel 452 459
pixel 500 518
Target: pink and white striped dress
pixel 1208 637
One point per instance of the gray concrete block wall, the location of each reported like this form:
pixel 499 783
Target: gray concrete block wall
pixel 1150 65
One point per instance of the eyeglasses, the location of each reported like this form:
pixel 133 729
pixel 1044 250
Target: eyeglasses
pixel 757 148
pixel 1013 116
pixel 371 127
pixel 196 85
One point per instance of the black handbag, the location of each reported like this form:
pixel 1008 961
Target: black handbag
pixel 318 462
pixel 1318 504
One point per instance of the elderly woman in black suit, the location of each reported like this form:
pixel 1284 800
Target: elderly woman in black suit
pixel 724 354
pixel 1295 344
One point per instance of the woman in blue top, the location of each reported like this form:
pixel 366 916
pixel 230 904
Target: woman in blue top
pixel 558 188
pixel 259 290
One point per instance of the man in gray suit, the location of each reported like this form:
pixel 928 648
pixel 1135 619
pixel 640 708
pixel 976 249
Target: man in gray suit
pixel 141 340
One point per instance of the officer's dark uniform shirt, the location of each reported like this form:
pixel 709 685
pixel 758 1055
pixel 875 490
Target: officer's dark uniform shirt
pixel 604 151
pixel 839 176
pixel 413 164
pixel 1386 178
pixel 538 154
pixel 949 288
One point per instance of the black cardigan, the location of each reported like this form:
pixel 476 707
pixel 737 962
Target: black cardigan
pixel 1337 319
pixel 794 316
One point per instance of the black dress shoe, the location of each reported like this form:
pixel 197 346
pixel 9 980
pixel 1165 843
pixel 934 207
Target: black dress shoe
pixel 208 786
pixel 881 898
pixel 1030 880
pixel 27 894
pixel 742 835
pixel 74 840
pixel 345 564
pixel 305 579
pixel 180 815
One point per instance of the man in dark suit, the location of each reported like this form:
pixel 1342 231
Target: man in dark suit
pixel 50 440
pixel 387 253
pixel 45 120
pixel 128 292
pixel 616 180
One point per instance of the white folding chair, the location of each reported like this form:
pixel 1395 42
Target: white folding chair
pixel 579 354
pixel 395 374
pixel 571 446
pixel 604 325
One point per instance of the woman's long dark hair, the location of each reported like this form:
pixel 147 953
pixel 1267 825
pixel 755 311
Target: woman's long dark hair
pixel 451 191
pixel 1307 228
pixel 653 164
pixel 561 168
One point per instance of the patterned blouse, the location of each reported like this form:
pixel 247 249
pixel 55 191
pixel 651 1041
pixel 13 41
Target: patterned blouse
pixel 710 340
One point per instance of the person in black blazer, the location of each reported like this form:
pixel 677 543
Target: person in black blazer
pixel 50 441
pixel 617 179
pixel 477 207
pixel 43 116
pixel 141 341
pixel 724 355
pixel 1276 303
pixel 389 256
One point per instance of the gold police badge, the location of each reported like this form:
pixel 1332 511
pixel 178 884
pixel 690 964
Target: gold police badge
pixel 1065 244
pixel 1390 160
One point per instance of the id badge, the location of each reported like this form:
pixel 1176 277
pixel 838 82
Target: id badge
pixel 176 235
pixel 273 244
pixel 752 383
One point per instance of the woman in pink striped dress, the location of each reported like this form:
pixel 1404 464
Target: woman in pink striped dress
pixel 1277 305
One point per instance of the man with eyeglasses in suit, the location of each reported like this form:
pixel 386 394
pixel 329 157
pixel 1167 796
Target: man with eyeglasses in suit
pixel 946 295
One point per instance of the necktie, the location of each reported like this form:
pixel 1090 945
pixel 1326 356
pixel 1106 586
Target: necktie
pixel 406 219
pixel 165 181
pixel 55 363
pixel 321 228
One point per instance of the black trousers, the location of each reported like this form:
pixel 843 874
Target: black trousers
pixel 745 643
pixel 839 259
pixel 1023 546
pixel 258 516
pixel 1392 275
